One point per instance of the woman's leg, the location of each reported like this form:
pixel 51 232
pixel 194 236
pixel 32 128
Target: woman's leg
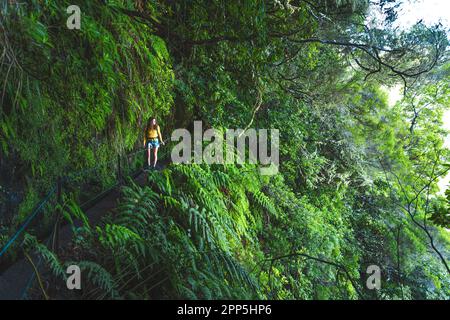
pixel 148 156
pixel 155 156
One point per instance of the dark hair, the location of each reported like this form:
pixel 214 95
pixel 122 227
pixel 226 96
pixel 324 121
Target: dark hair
pixel 149 123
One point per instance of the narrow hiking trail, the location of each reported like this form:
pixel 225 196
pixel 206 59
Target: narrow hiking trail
pixel 15 281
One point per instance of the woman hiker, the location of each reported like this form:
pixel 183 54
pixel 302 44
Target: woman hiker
pixel 152 140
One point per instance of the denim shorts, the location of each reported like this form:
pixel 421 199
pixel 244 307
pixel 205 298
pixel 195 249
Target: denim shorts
pixel 152 143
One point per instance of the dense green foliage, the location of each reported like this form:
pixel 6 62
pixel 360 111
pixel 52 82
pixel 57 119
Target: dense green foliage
pixel 357 183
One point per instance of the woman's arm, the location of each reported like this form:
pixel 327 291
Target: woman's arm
pixel 160 136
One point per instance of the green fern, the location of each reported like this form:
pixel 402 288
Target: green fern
pixel 264 201
pixel 30 243
pixel 99 277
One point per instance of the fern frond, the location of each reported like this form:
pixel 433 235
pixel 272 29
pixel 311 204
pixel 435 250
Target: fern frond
pixel 99 277
pixel 264 201
pixel 30 243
